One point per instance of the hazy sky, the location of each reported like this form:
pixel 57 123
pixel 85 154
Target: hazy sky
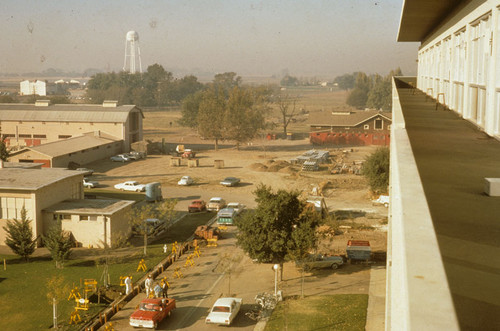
pixel 322 38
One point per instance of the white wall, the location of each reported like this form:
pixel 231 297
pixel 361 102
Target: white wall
pixel 458 64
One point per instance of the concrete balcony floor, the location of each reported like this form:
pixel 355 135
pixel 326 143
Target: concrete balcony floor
pixel 453 158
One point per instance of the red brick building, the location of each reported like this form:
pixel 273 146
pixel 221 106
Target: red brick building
pixel 350 128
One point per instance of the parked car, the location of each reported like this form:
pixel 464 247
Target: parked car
pixel 226 216
pixel 131 185
pixel 216 204
pixel 185 180
pixel 230 181
pixel 382 200
pixel 120 158
pixel 224 311
pixel 197 206
pixel 137 155
pixel 151 312
pixel 87 183
pixel 238 207
pixel 87 172
pixel 320 261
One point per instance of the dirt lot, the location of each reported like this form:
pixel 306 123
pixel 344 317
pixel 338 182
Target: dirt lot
pixel 262 161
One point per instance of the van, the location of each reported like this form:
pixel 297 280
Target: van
pixel 226 216
pixel 153 192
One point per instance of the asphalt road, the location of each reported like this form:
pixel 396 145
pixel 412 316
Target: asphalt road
pixel 225 270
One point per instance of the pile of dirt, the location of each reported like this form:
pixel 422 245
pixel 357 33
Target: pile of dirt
pixel 258 167
pixel 277 166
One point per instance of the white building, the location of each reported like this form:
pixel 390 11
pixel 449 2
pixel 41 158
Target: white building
pixel 37 87
pixel 443 259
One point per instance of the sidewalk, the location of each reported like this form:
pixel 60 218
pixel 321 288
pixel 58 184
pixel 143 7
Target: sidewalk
pixel 375 316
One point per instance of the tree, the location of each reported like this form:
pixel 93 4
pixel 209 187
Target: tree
pixel 288 109
pixel 190 108
pixel 345 82
pixel 276 230
pixel 244 114
pixel 376 170
pixel 59 243
pixel 20 236
pixel 4 153
pixel 164 211
pixel 57 290
pixel 210 116
pixel 138 216
pixel 289 81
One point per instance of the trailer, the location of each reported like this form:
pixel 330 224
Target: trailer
pixel 358 250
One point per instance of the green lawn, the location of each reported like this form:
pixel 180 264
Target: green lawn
pixel 330 312
pixel 24 304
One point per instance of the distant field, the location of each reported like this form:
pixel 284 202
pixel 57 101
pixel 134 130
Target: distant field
pixel 310 99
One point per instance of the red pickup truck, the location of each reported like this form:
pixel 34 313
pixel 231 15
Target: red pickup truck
pixel 151 312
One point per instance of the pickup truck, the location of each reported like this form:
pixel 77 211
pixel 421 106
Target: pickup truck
pixel 151 312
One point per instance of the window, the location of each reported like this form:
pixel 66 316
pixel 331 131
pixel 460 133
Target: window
pixel 366 127
pixel 84 218
pixel 64 136
pixel 378 124
pixel 40 136
pixel 24 136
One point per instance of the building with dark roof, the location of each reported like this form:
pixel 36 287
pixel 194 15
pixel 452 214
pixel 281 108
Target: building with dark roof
pixel 350 128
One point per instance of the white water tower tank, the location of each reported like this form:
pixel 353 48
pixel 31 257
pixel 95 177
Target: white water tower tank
pixel 132 52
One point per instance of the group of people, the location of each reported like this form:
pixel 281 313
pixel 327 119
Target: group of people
pixel 160 291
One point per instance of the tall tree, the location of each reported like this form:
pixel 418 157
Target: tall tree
pixel 20 236
pixel 210 116
pixel 287 106
pixel 376 170
pixel 190 108
pixel 244 114
pixel 345 82
pixel 59 243
pixel 276 230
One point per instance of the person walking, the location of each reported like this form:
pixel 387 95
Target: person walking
pixel 157 290
pixel 128 285
pixel 148 284
pixel 164 287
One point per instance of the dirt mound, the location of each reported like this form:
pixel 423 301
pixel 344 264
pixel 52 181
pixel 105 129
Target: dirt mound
pixel 288 170
pixel 277 166
pixel 258 167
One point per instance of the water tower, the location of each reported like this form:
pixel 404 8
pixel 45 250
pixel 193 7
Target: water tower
pixel 132 52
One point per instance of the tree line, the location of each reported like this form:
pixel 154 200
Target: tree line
pixel 372 91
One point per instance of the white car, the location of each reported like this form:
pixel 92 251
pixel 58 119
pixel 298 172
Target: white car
pixel 216 204
pixel 120 158
pixel 87 183
pixel 382 200
pixel 131 185
pixel 238 207
pixel 224 311
pixel 185 180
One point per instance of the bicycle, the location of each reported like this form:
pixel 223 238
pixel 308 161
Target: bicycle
pixel 254 315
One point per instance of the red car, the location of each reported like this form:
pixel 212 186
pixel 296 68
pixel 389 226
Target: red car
pixel 197 206
pixel 151 312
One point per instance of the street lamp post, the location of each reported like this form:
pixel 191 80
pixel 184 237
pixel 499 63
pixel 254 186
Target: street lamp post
pixel 276 267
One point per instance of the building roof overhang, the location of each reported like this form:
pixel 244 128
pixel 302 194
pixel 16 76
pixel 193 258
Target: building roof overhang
pixel 420 17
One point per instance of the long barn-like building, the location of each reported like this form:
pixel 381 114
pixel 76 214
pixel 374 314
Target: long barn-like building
pixel 69 134
pixel 41 123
